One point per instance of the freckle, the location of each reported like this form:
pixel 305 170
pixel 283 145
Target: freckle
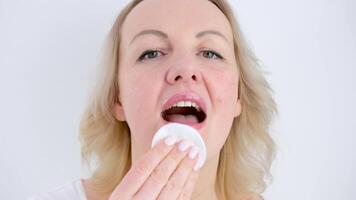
pixel 219 100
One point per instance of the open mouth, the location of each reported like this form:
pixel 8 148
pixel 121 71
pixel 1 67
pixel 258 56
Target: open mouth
pixel 185 112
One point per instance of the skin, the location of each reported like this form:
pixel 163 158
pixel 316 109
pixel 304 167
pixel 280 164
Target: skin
pixel 182 62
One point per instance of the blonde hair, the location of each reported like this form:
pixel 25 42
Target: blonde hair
pixel 247 154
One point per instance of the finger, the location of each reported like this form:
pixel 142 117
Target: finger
pixel 180 176
pixel 189 186
pixel 141 170
pixel 160 175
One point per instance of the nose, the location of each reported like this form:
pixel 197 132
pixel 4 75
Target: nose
pixel 185 72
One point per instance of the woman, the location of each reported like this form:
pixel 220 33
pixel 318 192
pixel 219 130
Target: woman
pixel 163 51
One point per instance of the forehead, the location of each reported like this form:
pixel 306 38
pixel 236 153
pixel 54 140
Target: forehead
pixel 176 16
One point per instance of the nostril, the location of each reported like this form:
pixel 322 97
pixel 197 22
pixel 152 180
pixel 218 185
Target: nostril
pixel 177 78
pixel 194 77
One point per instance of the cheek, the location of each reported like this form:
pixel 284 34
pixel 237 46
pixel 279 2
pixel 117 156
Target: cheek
pixel 225 88
pixel 138 88
pixel 139 92
pixel 223 91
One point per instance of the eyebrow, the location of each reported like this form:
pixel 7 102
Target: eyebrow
pixel 201 34
pixel 165 36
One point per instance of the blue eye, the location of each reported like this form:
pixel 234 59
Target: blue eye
pixel 211 54
pixel 150 54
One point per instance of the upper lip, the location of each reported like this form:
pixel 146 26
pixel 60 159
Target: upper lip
pixel 185 96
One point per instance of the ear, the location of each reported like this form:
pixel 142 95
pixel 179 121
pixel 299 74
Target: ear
pixel 238 108
pixel 119 111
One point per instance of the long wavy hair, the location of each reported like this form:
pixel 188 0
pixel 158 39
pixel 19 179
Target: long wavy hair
pixel 247 155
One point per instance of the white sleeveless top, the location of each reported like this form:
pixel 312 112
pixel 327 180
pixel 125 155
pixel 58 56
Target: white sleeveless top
pixel 73 190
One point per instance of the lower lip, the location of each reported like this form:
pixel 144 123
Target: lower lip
pixel 196 126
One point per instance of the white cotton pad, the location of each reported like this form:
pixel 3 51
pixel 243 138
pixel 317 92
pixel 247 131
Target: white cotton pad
pixel 182 132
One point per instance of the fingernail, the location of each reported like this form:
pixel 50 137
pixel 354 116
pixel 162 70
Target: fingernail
pixel 170 140
pixel 184 145
pixel 193 152
pixel 197 165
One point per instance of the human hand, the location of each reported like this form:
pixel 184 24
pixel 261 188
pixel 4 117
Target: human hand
pixel 167 171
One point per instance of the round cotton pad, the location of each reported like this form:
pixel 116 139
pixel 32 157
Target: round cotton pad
pixel 182 132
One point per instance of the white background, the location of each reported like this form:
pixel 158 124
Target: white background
pixel 48 51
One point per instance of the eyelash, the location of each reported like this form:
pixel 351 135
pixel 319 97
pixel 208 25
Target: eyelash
pixel 218 56
pixel 143 56
pixel 147 52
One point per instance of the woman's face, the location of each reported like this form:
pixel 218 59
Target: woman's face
pixel 173 51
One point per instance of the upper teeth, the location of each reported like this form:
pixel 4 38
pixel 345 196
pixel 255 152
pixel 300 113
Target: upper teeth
pixel 185 104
